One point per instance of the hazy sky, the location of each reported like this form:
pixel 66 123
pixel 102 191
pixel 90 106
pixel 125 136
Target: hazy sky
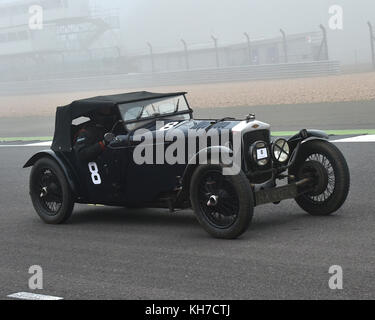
pixel 164 22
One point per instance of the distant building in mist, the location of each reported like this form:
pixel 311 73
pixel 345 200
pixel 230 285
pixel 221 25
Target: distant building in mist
pixel 72 37
pixel 81 38
pixel 299 48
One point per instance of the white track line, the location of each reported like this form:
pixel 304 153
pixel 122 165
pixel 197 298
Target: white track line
pixel 32 296
pixel 366 138
pixel 363 138
pixel 39 144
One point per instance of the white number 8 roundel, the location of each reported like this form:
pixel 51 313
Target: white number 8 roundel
pixel 95 176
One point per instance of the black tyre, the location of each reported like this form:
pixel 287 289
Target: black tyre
pixel 326 164
pixel 223 205
pixel 50 192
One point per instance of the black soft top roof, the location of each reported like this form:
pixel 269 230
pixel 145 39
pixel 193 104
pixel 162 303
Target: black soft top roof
pixel 65 115
pixel 84 106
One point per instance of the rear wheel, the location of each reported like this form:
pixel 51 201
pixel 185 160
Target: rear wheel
pixel 223 204
pixel 50 192
pixel 326 165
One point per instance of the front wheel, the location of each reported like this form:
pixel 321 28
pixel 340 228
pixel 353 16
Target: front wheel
pixel 326 165
pixel 50 192
pixel 223 204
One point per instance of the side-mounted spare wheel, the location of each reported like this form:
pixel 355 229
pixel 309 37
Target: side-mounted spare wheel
pixel 325 164
pixel 223 204
pixel 50 192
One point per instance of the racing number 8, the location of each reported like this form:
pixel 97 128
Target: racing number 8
pixel 95 176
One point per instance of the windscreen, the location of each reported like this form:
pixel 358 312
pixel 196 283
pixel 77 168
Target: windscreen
pixel 153 108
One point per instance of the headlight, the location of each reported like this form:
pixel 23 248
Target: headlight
pixel 259 153
pixel 281 150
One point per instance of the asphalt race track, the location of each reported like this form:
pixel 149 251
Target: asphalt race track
pixel 109 253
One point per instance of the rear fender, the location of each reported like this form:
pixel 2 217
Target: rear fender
pixel 60 161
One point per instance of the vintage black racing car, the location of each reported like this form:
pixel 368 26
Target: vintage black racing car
pixel 133 168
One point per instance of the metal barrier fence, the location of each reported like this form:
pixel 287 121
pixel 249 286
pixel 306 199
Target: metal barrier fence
pixel 201 76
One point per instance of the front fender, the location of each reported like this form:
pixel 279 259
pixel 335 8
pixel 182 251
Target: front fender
pixel 307 135
pixel 303 137
pixel 207 153
pixel 194 162
pixel 60 161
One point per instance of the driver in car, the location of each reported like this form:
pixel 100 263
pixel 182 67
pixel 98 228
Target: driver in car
pixel 92 139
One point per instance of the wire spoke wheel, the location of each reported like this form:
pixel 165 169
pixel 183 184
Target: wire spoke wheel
pixel 218 199
pixel 326 166
pixel 329 176
pixel 223 204
pixel 49 190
